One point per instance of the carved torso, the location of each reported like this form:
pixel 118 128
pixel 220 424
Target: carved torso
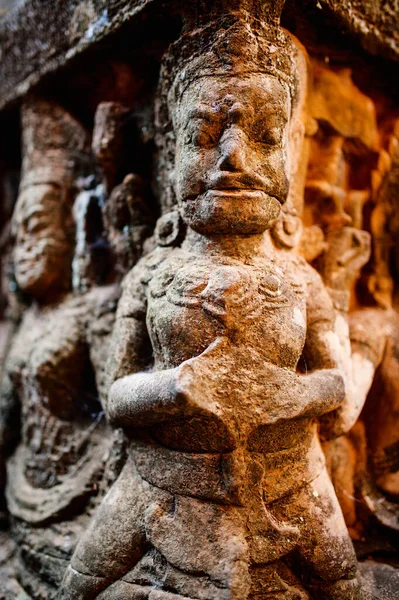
pixel 51 373
pixel 259 305
pixel 50 358
pixel 192 300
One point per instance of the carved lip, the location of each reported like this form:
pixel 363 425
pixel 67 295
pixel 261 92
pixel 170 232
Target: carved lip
pixel 237 192
pixel 241 194
pixel 238 182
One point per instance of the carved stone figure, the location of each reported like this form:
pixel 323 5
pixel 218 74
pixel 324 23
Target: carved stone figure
pixel 342 149
pixel 338 185
pixel 53 380
pixel 348 250
pixel 128 222
pixel 226 485
pixel 374 337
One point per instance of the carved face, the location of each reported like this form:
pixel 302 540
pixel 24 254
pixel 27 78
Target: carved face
pixel 42 252
pixel 231 158
pixel 348 251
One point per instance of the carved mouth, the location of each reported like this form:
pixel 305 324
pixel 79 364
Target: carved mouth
pixel 237 181
pixel 239 194
pixel 234 191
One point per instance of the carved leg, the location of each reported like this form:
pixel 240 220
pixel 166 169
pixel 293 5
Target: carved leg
pixel 113 542
pixel 325 547
pixel 161 595
pixel 125 591
pixel 138 593
pixel 204 546
pixel 340 590
pixel 275 582
pixel 121 590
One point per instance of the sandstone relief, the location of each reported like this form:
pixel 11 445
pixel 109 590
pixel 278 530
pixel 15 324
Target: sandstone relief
pixel 199 322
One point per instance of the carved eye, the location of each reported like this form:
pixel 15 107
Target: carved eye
pixel 35 224
pixel 203 139
pixel 268 130
pixel 271 136
pixel 201 134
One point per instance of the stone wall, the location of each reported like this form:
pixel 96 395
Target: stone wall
pixel 198 300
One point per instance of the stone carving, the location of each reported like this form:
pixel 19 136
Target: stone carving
pixel 190 448
pixel 53 379
pixel 225 493
pixel 341 149
pixel 336 189
pixel 382 346
pixel 341 160
pixel 348 249
pixel 374 339
pixel 348 129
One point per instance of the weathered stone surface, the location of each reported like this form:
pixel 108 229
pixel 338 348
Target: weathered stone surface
pixel 49 34
pixel 198 307
pixel 235 114
pixel 382 580
pixel 375 23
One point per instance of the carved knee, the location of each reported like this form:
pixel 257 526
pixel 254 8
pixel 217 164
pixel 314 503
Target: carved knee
pixel 345 589
pixel 161 595
pixel 79 586
pixel 122 590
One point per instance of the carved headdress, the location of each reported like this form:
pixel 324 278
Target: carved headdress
pixel 56 147
pixel 235 44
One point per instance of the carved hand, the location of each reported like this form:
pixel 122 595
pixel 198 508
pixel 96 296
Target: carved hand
pixel 221 382
pixel 144 399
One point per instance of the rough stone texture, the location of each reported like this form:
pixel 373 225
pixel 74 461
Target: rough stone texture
pixel 48 34
pixel 54 373
pixel 223 396
pixel 198 306
pixel 375 24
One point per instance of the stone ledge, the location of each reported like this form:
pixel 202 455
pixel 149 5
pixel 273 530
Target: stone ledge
pixel 40 36
pixel 374 22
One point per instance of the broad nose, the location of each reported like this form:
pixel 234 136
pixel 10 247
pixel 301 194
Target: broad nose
pixel 233 150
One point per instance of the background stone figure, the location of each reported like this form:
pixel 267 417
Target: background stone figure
pixel 226 474
pixel 53 378
pixel 373 336
pixel 190 448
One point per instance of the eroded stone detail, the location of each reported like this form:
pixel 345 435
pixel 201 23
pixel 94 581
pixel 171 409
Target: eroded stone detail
pixel 229 432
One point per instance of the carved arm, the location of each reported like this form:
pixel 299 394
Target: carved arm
pixel 220 382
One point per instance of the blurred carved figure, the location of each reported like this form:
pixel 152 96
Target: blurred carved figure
pixel 375 335
pixel 339 183
pixel 53 379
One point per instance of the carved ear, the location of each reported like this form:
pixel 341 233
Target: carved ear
pixel 298 131
pixel 170 229
pixel 171 191
pixel 287 232
pixel 172 181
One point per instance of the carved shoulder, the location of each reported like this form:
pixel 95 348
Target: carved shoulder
pixel 370 330
pixel 319 305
